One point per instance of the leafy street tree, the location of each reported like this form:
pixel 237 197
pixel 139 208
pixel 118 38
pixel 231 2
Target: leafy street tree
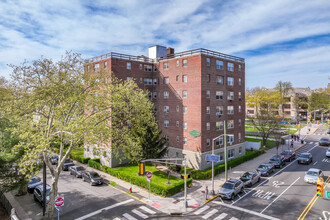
pixel 56 100
pixel 266 103
pixel 283 88
pixel 319 100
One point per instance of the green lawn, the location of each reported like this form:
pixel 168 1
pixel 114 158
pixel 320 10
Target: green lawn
pixel 256 130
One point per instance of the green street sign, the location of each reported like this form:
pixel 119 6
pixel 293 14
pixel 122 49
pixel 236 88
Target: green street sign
pixel 327 194
pixel 194 133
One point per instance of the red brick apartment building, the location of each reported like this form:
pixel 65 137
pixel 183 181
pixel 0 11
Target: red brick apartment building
pixel 192 90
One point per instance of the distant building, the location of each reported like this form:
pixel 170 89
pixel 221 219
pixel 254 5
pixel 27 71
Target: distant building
pixel 195 90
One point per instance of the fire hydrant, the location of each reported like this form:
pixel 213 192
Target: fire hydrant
pixel 130 189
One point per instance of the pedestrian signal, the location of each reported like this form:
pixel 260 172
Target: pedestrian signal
pixel 319 189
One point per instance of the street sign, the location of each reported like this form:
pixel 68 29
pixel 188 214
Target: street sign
pixel 327 194
pixel 149 180
pixel 149 175
pixel 59 202
pixel 210 157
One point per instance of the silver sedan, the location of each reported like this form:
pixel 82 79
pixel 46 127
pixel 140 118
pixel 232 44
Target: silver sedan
pixel 250 178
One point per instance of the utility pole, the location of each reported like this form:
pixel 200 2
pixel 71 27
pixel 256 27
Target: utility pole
pixel 225 139
pixel 44 188
pixel 185 182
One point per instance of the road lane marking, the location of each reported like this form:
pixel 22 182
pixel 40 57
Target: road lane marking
pixel 263 182
pixel 104 209
pixel 210 213
pixel 129 217
pixel 147 210
pixel 116 218
pixel 279 195
pixel 246 210
pixel 233 218
pixel 137 212
pixel 199 211
pixel 315 163
pixel 222 216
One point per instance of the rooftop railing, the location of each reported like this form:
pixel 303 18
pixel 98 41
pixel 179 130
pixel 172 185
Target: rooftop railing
pixel 169 56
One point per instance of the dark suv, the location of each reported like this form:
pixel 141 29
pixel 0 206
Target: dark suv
pixel 278 161
pixel 67 163
pixel 93 178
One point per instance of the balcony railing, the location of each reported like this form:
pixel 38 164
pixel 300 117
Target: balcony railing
pixel 170 56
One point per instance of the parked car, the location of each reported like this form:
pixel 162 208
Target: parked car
pixel 324 142
pixel 77 171
pixel 289 155
pixel 67 163
pixel 93 178
pixel 279 131
pixel 305 158
pixel 328 132
pixel 38 194
pixel 278 161
pixel 53 159
pixel 312 175
pixel 231 188
pixel 33 183
pixel 328 152
pixel 265 169
pixel 250 178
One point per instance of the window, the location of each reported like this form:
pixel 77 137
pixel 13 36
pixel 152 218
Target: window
pixel 140 66
pixel 177 108
pixel 239 81
pixel 96 67
pixel 177 62
pixel 166 109
pixel 155 81
pixel 177 124
pixel 177 78
pixel 165 66
pixel 128 65
pixel 155 95
pixel 231 153
pixel 219 64
pixel 230 124
pixel 208 94
pixel 147 81
pixel 230 81
pixel 208 77
pixel 177 138
pixel 184 78
pixel 155 68
pixel 208 142
pixel 149 95
pixel 239 95
pixel 230 96
pixel 88 68
pixel 230 139
pixel 239 108
pixel 105 64
pixel 141 80
pixel 148 68
pixel 230 67
pixel 221 156
pixel 239 122
pixel 239 67
pixel 219 125
pixel 219 95
pixel 177 94
pixel 207 61
pixel 166 94
pixel 184 62
pixel 184 94
pixel 185 141
pixel 166 137
pixel 219 141
pixel 106 79
pixel 166 80
pixel 184 125
pixel 129 78
pixel 184 109
pixel 166 123
pixel 155 108
pixel 220 80
pixel 207 109
pixel 208 126
pixel 219 110
pixel 239 138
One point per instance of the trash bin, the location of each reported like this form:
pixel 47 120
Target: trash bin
pixel 302 141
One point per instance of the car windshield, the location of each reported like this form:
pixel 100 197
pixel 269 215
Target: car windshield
pixel 324 139
pixel 228 186
pixel 262 167
pixel 286 152
pixel 246 176
pixel 95 175
pixel 34 180
pixel 329 149
pixel 67 161
pixel 80 168
pixel 312 173
pixel 304 155
pixel 275 159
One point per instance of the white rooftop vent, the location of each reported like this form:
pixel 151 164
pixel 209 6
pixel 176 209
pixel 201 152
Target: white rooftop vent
pixel 157 51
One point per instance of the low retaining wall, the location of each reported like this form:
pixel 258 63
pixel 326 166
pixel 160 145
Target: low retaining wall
pixel 252 145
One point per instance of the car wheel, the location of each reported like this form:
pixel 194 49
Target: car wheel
pixel 242 189
pixel 232 196
pixel 258 179
pixel 250 185
pixel 35 198
pixel 91 183
pixel 77 175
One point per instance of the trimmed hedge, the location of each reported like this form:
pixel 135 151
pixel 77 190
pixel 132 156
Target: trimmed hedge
pixel 207 173
pixel 156 188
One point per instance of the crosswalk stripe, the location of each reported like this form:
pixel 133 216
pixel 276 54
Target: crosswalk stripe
pixel 233 218
pixel 129 217
pixel 116 218
pixel 210 213
pixel 222 216
pixel 140 214
pixel 147 210
pixel 199 211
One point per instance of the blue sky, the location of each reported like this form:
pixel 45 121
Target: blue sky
pixel 280 39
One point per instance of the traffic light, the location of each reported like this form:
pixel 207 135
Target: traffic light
pixel 319 189
pixel 141 169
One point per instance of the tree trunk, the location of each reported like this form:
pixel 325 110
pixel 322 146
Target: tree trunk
pixel 52 196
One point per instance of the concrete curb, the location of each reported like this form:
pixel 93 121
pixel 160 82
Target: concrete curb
pixel 207 201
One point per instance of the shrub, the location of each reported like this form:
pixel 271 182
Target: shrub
pixel 83 160
pixel 94 163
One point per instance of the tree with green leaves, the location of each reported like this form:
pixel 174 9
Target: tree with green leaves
pixel 319 100
pixel 57 100
pixel 283 88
